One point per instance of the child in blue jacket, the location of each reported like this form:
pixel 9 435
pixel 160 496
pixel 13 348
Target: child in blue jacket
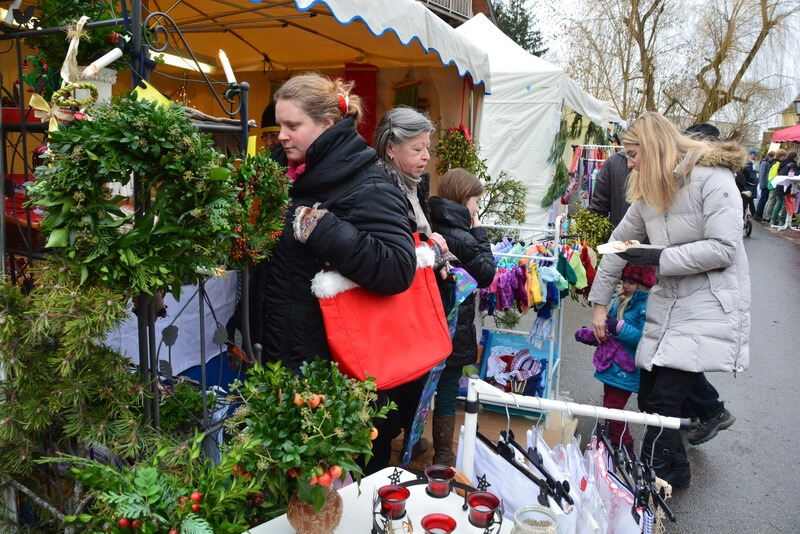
pixel 615 359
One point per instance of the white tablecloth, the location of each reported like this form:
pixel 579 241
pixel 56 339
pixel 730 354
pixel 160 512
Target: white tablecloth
pixel 221 292
pixel 357 515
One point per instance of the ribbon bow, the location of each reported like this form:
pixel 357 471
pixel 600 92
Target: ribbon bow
pixel 44 111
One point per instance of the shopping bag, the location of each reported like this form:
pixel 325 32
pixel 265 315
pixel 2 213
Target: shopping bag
pixel 394 338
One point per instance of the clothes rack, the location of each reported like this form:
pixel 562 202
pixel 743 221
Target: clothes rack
pixel 480 392
pixel 553 234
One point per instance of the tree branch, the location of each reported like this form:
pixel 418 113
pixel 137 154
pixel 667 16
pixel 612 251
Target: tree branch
pixel 35 498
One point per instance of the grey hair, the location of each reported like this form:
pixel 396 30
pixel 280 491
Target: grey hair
pixel 398 125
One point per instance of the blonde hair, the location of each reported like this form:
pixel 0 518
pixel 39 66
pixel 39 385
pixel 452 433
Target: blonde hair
pixel 667 158
pixel 623 301
pixel 459 185
pixel 318 97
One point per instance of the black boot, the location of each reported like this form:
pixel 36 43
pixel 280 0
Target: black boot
pixel 419 447
pixel 670 461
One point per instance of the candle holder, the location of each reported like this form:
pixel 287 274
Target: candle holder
pixel 482 508
pixel 440 480
pixel 393 499
pixel 438 524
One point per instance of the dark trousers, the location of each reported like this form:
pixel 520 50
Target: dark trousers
pixel 617 398
pixel 406 397
pixel 447 391
pixel 762 201
pixel 750 201
pixel 662 391
pixel 702 401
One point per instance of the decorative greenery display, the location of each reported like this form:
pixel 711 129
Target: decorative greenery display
pixel 504 197
pixel 63 390
pixel 593 228
pixel 191 196
pixel 176 490
pixel 46 64
pixel 310 428
pixel 183 408
pixel 263 197
pixel 561 176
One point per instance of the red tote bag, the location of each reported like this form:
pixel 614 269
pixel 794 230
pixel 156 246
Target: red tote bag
pixel 395 338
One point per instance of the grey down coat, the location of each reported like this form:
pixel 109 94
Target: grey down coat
pixel 698 314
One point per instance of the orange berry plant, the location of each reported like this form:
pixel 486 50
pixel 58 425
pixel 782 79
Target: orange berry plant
pixel 312 428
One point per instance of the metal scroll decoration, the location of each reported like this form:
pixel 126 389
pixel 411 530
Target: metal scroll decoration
pixel 160 29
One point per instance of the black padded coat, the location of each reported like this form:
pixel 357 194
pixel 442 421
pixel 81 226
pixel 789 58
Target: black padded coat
pixel 366 237
pixel 471 247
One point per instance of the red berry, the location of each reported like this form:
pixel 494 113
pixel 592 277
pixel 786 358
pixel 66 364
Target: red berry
pixel 124 522
pixel 196 496
pixel 325 479
pixel 137 523
pixel 174 531
pixel 335 471
pixel 195 508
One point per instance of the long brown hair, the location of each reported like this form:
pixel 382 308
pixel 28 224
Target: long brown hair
pixel 318 97
pixel 459 185
pixel 667 158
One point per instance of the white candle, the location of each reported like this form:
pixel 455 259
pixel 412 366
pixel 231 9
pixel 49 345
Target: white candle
pixel 107 59
pixel 226 66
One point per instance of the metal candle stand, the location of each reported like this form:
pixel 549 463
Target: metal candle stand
pixel 385 525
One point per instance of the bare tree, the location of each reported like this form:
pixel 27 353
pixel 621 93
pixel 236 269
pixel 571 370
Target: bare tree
pixel 685 58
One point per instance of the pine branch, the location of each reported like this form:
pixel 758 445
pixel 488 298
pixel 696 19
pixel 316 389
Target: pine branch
pixel 35 498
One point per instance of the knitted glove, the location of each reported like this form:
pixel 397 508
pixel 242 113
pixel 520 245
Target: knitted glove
pixel 305 220
pixel 642 255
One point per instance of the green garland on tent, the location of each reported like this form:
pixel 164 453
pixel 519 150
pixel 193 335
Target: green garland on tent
pixel 595 135
pixel 561 177
pixel 576 126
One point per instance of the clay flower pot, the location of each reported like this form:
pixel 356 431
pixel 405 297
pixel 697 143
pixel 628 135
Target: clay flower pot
pixel 306 520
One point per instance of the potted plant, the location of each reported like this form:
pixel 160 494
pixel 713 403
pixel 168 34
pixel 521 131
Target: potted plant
pixel 311 428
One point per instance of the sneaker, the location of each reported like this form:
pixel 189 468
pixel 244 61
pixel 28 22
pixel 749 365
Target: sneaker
pixel 706 430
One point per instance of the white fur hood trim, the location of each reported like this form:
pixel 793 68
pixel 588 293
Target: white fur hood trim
pixel 327 284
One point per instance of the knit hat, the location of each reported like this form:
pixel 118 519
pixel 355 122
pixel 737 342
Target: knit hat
pixel 704 131
pixel 644 274
pixel 268 123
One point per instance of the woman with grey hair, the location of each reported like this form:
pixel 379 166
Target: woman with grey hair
pixel 403 141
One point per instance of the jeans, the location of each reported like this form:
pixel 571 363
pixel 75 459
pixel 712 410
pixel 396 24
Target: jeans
pixel 770 204
pixel 447 391
pixel 702 401
pixel 762 202
pixel 662 391
pixel 779 209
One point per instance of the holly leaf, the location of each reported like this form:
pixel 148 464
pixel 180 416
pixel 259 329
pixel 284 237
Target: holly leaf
pixel 58 238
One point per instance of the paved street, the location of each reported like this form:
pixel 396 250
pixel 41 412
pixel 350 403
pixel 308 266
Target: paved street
pixel 747 479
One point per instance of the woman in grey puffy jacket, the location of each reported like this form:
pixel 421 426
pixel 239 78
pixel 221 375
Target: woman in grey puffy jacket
pixel 684 200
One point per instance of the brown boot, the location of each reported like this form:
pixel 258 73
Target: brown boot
pixel 443 428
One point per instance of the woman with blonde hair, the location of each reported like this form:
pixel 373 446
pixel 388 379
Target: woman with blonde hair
pixel 343 215
pixel 685 201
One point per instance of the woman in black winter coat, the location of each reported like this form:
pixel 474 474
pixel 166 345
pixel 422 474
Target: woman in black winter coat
pixel 360 230
pixel 454 214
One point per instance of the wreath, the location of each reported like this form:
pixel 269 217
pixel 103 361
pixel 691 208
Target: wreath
pixel 263 197
pixel 63 98
pixel 189 198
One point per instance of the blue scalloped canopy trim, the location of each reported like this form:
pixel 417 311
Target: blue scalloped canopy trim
pixel 373 32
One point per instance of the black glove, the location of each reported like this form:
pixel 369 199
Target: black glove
pixel 642 255
pixel 612 325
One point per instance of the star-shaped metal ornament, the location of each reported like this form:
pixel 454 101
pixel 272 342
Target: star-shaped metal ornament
pixel 483 484
pixel 394 478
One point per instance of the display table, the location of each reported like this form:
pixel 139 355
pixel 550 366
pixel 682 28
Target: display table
pixel 357 515
pixel 791 199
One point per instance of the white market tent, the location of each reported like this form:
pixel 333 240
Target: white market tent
pixel 521 115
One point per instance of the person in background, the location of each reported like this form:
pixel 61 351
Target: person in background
pixel 788 167
pixel 454 214
pixel 749 179
pixel 684 199
pixel 269 128
pixel 763 190
pixel 608 194
pixel 362 231
pixel 780 155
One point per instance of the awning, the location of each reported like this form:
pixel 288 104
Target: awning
pixel 787 135
pixel 325 34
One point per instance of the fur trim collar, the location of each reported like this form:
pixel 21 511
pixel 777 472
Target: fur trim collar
pixel 724 154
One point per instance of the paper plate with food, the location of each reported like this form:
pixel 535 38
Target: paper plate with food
pixel 615 247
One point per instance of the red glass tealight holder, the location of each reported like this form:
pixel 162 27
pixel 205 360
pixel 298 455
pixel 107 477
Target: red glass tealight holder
pixel 482 506
pixel 440 480
pixel 393 501
pixel 438 524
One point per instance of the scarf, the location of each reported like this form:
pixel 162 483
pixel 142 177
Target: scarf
pixel 408 185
